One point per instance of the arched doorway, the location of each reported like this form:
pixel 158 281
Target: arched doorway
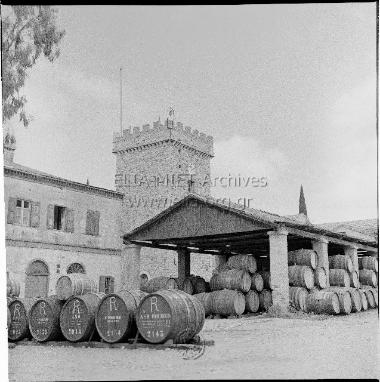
pixel 75 268
pixel 37 279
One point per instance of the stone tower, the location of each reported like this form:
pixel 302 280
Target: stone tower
pixel 155 167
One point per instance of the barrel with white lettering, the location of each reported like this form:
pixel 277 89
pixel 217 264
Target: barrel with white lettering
pixel 44 319
pixel 19 308
pixel 77 318
pixel 170 315
pixel 115 316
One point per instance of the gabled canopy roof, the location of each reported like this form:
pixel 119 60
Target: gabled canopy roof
pixel 208 224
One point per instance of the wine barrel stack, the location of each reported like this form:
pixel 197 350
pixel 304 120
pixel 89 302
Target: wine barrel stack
pixel 237 287
pixel 345 294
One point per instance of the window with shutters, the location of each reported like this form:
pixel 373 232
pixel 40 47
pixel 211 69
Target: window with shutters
pixel 23 212
pixel 60 218
pixel 106 284
pixel 92 223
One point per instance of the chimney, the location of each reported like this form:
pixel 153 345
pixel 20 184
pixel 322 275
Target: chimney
pixel 9 147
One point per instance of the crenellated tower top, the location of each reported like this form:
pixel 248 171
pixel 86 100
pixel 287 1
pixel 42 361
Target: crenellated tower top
pixel 148 135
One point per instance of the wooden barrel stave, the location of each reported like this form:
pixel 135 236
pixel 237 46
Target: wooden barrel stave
pixel 265 299
pixel 368 277
pixel 159 283
pixel 44 319
pixel 252 301
pixel 243 262
pixel 115 315
pixel 266 278
pixel 232 279
pixel 257 282
pixel 301 275
pixel 169 314
pixel 74 284
pixel 339 277
pixel 341 262
pixel 19 308
pixel 77 317
pixel 307 257
pixel 320 277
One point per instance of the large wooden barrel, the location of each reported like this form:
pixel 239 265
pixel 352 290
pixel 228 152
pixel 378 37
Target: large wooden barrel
pixel 13 286
pixel 297 297
pixel 74 284
pixel 323 302
pixel 364 299
pixel 341 262
pixel 186 285
pixel 369 262
pixel 115 316
pixel 232 279
pixel 339 277
pixel 199 284
pixel 221 268
pixel 375 293
pixel 345 303
pixel 170 315
pixel 354 279
pixel 243 262
pixel 267 279
pixel 205 299
pixel 19 308
pixel 301 275
pixel 44 319
pixel 368 277
pixel 265 299
pixel 257 282
pixel 77 318
pixel 370 298
pixel 252 301
pixel 356 300
pixel 320 277
pixel 158 283
pixel 302 256
pixel 227 302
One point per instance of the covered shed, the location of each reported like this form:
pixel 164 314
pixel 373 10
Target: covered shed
pixel 199 224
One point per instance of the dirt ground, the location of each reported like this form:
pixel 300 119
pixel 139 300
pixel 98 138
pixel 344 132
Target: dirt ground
pixel 251 347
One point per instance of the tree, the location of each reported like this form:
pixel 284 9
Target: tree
pixel 27 33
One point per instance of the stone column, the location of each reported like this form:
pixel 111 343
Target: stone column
pixel 352 251
pixel 321 247
pixel 183 264
pixel 130 266
pixel 278 260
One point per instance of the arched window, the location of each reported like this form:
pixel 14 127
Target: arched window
pixel 75 268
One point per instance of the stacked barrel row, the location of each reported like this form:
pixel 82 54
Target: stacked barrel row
pixel 77 313
pixel 368 271
pixel 343 296
pixel 237 287
pixel 191 285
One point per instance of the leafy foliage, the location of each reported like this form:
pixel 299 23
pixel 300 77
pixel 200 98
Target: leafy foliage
pixel 27 33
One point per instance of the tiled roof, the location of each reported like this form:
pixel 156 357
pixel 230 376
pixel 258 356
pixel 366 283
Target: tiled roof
pixel 19 170
pixel 366 227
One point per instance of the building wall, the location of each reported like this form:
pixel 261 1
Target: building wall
pixel 95 264
pixel 80 202
pixel 99 255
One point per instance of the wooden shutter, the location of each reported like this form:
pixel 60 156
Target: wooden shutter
pixel 111 284
pixel 11 210
pixel 35 214
pixel 92 222
pixel 89 222
pixel 50 217
pixel 69 220
pixel 102 284
pixel 96 222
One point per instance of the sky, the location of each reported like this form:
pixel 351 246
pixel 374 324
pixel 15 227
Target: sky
pixel 287 91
